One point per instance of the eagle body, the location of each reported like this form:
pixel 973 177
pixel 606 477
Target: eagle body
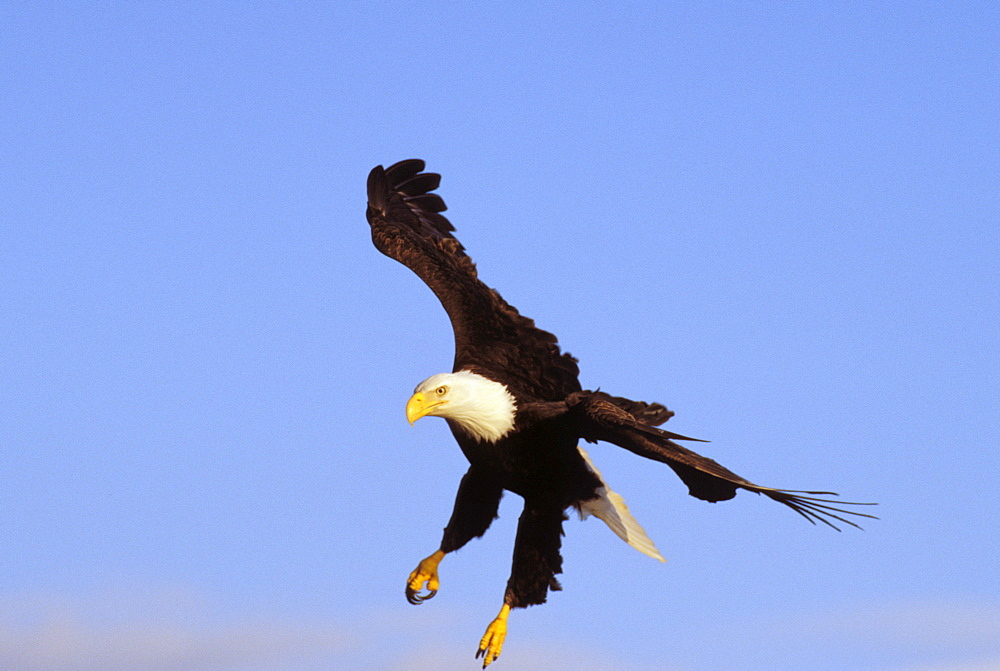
pixel 536 458
pixel 517 410
pixel 556 473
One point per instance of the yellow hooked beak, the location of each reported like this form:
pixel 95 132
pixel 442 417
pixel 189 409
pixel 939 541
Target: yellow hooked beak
pixel 420 406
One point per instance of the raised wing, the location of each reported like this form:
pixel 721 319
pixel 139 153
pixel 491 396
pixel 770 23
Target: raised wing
pixel 491 337
pixel 599 419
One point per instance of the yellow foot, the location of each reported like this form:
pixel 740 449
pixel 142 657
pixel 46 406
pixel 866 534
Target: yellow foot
pixel 492 641
pixel 426 572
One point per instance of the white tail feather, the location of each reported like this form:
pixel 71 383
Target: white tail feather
pixel 610 508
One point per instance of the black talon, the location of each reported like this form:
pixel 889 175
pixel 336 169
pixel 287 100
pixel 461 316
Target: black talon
pixel 416 599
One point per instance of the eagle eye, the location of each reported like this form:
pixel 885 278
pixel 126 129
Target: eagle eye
pixel 441 391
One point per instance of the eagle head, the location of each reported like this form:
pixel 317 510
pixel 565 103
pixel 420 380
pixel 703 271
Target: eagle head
pixel 481 408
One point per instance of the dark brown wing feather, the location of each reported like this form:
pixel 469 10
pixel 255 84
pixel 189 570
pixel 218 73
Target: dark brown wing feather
pixel 491 337
pixel 652 414
pixel 598 419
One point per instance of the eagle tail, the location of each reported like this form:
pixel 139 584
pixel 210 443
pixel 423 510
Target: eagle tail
pixel 610 508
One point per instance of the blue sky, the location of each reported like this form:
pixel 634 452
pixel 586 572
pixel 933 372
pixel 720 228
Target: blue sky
pixel 779 220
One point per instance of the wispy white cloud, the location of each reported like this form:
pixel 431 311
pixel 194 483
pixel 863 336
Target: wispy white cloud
pixel 931 635
pixel 164 631
pixel 924 623
pixel 991 664
pixel 954 636
pixel 520 655
pixel 178 629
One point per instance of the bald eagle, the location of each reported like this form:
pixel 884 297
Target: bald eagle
pixel 515 406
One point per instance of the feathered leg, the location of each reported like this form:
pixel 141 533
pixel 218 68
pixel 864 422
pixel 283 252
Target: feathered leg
pixel 533 572
pixel 475 509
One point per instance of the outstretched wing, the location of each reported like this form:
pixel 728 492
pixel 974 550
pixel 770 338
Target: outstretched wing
pixel 599 419
pixel 491 337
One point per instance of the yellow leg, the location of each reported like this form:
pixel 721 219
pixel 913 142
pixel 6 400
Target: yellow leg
pixel 426 572
pixel 492 641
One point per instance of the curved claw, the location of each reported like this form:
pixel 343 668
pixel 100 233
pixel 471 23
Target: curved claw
pixel 425 573
pixel 492 641
pixel 415 598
